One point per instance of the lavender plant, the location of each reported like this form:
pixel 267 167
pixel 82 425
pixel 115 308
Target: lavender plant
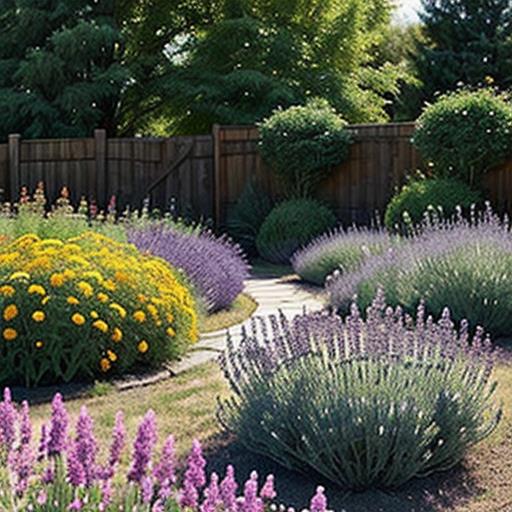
pixel 215 266
pixel 463 264
pixel 340 249
pixel 64 472
pixel 365 403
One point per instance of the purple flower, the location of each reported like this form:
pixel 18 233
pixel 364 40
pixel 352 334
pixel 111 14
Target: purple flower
pixel 76 505
pixel 189 495
pixel 75 470
pixel 42 451
pixel 147 488
pixel 116 448
pixel 58 427
pixel 85 446
pixel 251 502
pixel 215 266
pixel 319 501
pixel 228 489
pixel 165 471
pixel 21 463
pixel 196 464
pixel 212 495
pixel 8 417
pixel 143 448
pixel 268 492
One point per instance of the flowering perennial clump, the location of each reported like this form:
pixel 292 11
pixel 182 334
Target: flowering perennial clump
pixel 365 403
pixel 65 472
pixel 215 266
pixel 464 264
pixel 340 249
pixel 87 306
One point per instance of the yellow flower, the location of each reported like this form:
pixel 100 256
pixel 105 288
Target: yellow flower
pixel 73 300
pixel 94 314
pixel 139 316
pixel 119 309
pixel 10 334
pixel 112 355
pixel 10 312
pixel 141 297
pixel 7 290
pixel 117 336
pixel 85 288
pixel 109 285
pixel 78 319
pixel 69 274
pixel 57 280
pixel 143 347
pixel 105 364
pixel 102 297
pixel 38 316
pixel 170 318
pixel 100 325
pixel 36 289
pixel 171 332
pixel 45 300
pixel 153 311
pixel 39 344
pixel 19 275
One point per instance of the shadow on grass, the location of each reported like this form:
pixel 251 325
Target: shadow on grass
pixel 437 493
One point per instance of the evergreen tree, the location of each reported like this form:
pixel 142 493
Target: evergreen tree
pixel 261 55
pixel 61 73
pixel 464 43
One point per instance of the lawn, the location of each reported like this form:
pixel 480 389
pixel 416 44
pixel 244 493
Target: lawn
pixel 186 406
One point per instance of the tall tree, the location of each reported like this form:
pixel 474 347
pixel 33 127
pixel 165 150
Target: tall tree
pixel 264 54
pixel 464 43
pixel 60 69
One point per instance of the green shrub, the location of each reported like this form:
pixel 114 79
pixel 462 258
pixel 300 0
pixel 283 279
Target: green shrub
pixel 416 198
pixel 303 143
pixel 249 213
pixel 464 134
pixel 291 225
pixel 366 403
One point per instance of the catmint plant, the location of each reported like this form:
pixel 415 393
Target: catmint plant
pixel 366 402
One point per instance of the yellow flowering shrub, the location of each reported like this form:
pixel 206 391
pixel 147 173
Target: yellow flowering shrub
pixel 85 307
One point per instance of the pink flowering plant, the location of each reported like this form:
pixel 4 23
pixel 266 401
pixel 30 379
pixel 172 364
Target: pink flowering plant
pixel 366 401
pixel 62 471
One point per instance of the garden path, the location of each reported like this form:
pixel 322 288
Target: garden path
pixel 272 295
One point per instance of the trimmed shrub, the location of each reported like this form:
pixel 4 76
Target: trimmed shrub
pixel 303 143
pixel 289 226
pixel 63 470
pixel 249 213
pixel 214 266
pixel 464 265
pixel 365 403
pixel 419 197
pixel 88 307
pixel 463 134
pixel 341 249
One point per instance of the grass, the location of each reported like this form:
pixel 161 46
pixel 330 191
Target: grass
pixel 186 406
pixel 241 309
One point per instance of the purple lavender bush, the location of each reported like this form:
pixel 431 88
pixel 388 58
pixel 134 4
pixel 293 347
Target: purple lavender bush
pixel 464 264
pixel 64 472
pixel 340 249
pixel 365 403
pixel 215 266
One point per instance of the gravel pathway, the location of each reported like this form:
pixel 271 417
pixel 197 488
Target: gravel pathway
pixel 272 295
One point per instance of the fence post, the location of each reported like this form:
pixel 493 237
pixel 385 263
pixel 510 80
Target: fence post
pixel 100 153
pixel 217 207
pixel 14 166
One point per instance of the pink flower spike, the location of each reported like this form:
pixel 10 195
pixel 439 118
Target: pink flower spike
pixel 268 492
pixel 319 501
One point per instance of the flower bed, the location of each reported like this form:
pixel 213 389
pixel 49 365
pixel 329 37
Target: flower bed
pixel 215 267
pixel 65 472
pixel 366 403
pixel 87 307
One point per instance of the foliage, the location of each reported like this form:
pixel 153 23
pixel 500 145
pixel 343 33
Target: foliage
pixel 302 144
pixel 289 226
pixel 86 307
pixel 259 56
pixel 365 403
pixel 249 213
pixel 465 133
pixel 215 266
pixel 462 43
pixel 418 197
pixel 61 73
pixel 65 471
pixel 462 264
pixel 340 249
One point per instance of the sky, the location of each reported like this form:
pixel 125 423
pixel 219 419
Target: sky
pixel 407 10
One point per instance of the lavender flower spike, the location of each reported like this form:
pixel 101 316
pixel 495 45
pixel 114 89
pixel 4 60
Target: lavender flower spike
pixel 8 416
pixel 86 446
pixel 143 448
pixel 58 427
pixel 228 489
pixel 268 492
pixel 319 501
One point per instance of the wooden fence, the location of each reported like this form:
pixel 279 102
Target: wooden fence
pixel 203 176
